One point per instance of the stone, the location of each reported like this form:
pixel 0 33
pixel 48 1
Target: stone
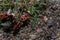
pixel 32 36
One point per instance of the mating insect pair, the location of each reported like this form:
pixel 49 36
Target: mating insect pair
pixel 13 25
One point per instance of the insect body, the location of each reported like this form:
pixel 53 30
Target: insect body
pixel 14 26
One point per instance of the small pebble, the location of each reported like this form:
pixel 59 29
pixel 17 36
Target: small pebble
pixel 33 36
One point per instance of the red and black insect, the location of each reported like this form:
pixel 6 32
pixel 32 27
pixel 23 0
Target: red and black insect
pixel 24 18
pixel 15 26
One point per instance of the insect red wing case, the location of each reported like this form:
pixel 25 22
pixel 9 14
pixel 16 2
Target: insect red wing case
pixel 23 17
pixel 3 15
